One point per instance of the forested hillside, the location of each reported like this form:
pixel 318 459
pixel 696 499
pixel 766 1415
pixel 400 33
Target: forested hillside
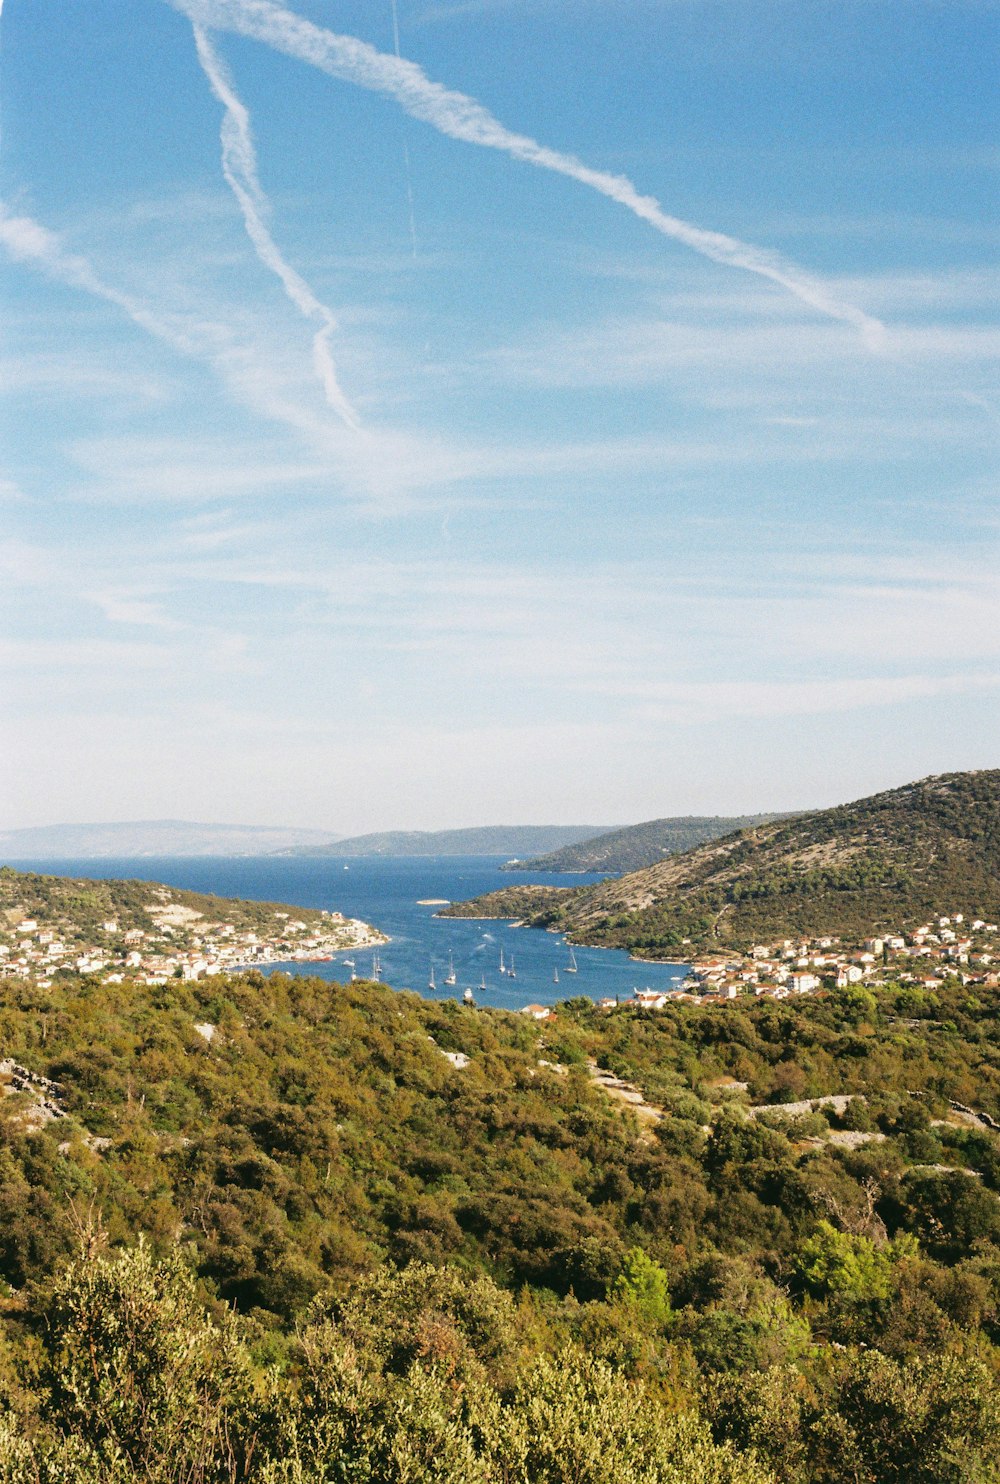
pixel 881 864
pixel 79 907
pixel 390 1239
pixel 641 844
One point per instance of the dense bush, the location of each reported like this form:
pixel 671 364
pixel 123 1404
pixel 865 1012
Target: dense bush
pixel 355 1256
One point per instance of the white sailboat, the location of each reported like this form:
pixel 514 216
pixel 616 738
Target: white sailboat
pixel 482 982
pixel 555 976
pixel 510 972
pixel 450 976
pixel 430 982
pixel 376 966
pixel 571 966
pixel 502 967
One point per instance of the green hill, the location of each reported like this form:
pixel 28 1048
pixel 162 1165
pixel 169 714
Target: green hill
pixel 881 863
pixel 79 906
pixel 57 925
pixel 390 1239
pixel 641 845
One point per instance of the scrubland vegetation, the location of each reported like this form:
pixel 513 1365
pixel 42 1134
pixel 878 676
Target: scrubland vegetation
pixel 310 1247
pixel 880 864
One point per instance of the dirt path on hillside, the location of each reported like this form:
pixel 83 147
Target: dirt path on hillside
pixel 624 1092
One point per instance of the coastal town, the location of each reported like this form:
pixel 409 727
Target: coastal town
pixel 177 942
pixel 945 947
pixel 147 933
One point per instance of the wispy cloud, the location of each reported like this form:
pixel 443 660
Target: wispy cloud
pixel 625 628
pixel 461 117
pixel 406 147
pixel 135 608
pixel 62 374
pixel 383 469
pixel 698 701
pixel 25 564
pixel 239 166
pixel 71 655
pixel 27 241
pixel 128 469
pixel 199 338
pixel 735 357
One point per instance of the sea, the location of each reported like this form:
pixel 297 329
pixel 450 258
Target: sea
pixel 401 895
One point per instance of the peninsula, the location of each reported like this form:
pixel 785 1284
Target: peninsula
pixel 54 926
pixel 886 867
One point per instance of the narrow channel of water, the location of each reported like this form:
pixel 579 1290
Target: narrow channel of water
pixel 395 894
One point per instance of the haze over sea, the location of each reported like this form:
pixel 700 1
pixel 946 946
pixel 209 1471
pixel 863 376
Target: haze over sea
pixel 387 892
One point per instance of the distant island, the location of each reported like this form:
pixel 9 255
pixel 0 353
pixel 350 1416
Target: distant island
pixel 639 845
pixel 153 837
pixel 166 837
pixel 494 839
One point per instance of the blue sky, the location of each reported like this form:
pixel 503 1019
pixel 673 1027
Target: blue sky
pixel 375 457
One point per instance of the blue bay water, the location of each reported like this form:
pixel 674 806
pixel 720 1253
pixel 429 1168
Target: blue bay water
pixel 388 892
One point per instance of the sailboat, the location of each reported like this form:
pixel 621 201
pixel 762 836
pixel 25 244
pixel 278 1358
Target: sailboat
pixel 376 966
pixel 510 972
pixel 482 983
pixel 450 976
pixel 555 976
pixel 571 966
pixel 502 968
pixel 430 982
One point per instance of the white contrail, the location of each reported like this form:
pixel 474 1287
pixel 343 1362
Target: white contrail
pixel 406 147
pixel 27 241
pixel 461 117
pixel 239 166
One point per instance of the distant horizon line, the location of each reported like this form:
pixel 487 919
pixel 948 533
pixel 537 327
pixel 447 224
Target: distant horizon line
pixel 204 824
pixel 319 830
